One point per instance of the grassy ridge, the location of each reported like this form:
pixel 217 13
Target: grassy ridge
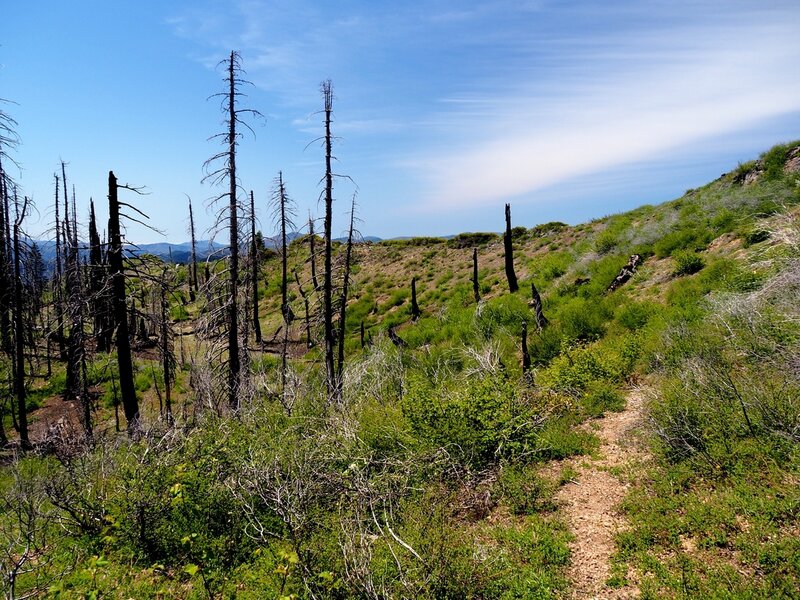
pixel 426 482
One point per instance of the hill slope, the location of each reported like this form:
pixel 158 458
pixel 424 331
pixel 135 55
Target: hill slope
pixel 450 469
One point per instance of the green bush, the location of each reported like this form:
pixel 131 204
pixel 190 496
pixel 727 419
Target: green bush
pixel 636 315
pixel 605 242
pixel 687 263
pixel 524 491
pixel 481 419
pixel 470 240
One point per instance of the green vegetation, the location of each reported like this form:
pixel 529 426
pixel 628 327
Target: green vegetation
pixel 433 478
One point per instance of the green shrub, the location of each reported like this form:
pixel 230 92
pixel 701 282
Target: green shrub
pixel 602 397
pixel 636 315
pixel 582 319
pixel 687 263
pixel 481 419
pixel 605 242
pixel 470 240
pixel 524 491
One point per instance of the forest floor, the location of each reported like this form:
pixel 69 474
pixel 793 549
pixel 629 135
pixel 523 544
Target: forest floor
pixel 590 500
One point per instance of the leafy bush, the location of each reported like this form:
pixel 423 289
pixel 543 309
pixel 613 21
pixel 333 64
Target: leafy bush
pixel 470 240
pixel 687 263
pixel 635 315
pixel 481 420
pixel 605 242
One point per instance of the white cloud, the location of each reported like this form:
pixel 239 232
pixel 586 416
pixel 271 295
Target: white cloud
pixel 612 101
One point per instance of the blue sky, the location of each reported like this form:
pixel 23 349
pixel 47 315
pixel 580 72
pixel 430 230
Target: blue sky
pixel 444 109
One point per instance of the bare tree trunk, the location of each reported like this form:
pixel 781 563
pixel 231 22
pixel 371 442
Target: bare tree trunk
pixel 536 302
pixel 415 312
pixel 526 357
pixel 475 286
pixel 58 297
pixel 19 333
pixel 330 372
pixel 5 272
pixel 234 363
pixel 167 358
pixel 130 404
pixel 343 303
pixel 312 238
pixel 193 281
pixel 304 296
pixel 254 266
pixel 509 253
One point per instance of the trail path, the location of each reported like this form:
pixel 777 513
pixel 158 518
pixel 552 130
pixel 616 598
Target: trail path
pixel 590 502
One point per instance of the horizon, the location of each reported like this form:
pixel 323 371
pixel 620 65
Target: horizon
pixel 445 110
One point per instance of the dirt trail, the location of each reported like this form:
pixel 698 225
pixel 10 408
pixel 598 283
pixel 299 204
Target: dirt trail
pixel 590 502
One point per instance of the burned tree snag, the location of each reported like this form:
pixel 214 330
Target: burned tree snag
pixel 396 339
pixel 312 251
pixel 509 253
pixel 343 303
pixel 415 312
pixel 327 292
pixel 536 304
pixel 226 173
pixel 526 357
pixel 304 296
pixel 194 283
pixel 130 404
pixel 475 286
pixel 19 333
pixel 234 364
pixel 626 272
pixel 254 256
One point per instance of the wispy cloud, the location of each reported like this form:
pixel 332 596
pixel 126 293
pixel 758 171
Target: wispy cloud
pixel 610 99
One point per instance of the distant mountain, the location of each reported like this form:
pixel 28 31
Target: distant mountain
pixel 179 253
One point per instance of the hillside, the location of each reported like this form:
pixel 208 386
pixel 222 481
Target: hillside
pixel 650 450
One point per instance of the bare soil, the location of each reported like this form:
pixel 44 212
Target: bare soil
pixel 590 500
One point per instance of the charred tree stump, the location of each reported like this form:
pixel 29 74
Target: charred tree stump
pixel 415 311
pixel 626 272
pixel 513 286
pixel 536 304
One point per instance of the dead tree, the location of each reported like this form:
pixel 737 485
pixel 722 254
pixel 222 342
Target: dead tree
pixel 193 281
pixel 254 256
pixel 475 287
pixel 509 254
pixel 76 385
pixel 19 328
pixel 57 282
pixel 396 339
pixel 312 238
pixel 226 174
pixel 130 403
pixel 327 308
pixel 343 303
pixel 166 344
pixel 536 304
pixel 526 357
pixel 283 212
pixel 6 296
pixel 626 272
pixel 415 311
pixel 97 286
pixel 304 296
